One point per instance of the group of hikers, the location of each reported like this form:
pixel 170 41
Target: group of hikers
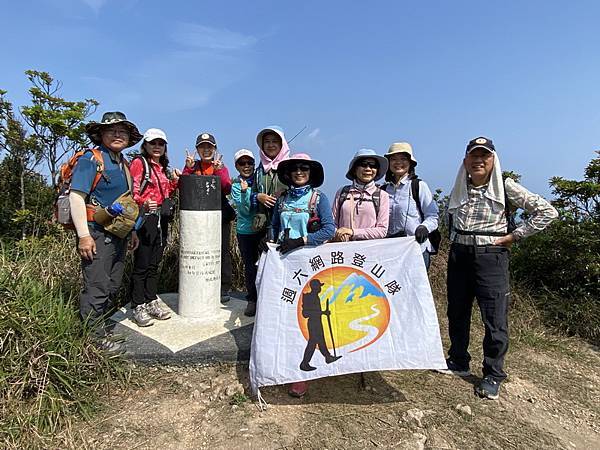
pixel 115 204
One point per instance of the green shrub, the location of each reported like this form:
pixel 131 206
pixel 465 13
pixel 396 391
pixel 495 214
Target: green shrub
pixel 49 371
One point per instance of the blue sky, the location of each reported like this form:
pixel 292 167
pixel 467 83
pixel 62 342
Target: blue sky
pixel 435 74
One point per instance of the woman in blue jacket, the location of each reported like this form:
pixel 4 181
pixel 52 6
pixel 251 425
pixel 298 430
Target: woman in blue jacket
pixel 302 216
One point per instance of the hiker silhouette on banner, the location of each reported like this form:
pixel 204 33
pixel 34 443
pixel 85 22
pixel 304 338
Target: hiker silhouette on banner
pixel 311 309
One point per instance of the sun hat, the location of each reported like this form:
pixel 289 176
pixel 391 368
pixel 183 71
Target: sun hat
pixel 242 152
pixel 480 142
pixel 401 147
pixel 94 129
pixel 154 133
pixel 365 153
pixel 206 137
pixel 270 129
pixel 316 177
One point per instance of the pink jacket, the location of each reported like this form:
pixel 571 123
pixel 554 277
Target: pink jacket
pixel 358 212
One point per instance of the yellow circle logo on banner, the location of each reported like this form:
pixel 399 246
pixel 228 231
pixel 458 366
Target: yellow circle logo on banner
pixel 359 309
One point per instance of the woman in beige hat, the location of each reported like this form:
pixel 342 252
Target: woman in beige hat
pixel 413 211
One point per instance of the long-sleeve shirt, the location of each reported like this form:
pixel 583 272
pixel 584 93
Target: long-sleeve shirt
pixel 152 191
pixel 358 212
pixel 245 209
pixel 404 213
pixel 318 237
pixel 481 215
pixel 207 168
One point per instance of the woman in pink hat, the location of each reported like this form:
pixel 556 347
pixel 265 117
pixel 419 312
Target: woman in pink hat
pixel 302 216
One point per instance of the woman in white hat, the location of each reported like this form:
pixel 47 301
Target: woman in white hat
pixel 361 209
pixel 248 239
pixel 153 185
pixel 413 211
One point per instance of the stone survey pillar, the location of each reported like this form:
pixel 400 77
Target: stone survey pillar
pixel 200 246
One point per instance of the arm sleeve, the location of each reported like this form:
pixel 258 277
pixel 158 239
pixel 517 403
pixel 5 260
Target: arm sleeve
pixel 79 213
pixel 136 168
pixel 241 199
pixel 429 207
pixel 541 212
pixel 188 170
pixel 327 225
pixel 275 221
pixel 379 231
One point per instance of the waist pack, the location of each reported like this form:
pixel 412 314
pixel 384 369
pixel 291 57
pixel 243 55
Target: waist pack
pixel 122 224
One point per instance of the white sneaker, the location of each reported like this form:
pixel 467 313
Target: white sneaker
pixel 141 317
pixel 155 310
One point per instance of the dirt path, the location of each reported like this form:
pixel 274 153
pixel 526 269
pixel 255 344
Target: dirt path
pixel 551 400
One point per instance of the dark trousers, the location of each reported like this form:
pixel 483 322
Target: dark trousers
pixel 225 258
pixel 248 244
pixel 316 337
pixel 146 259
pixel 101 280
pixel 482 275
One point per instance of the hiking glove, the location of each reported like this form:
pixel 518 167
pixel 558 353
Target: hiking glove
pixel 288 244
pixel 421 234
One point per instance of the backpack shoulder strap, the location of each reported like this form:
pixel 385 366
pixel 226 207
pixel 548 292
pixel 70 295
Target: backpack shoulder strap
pixel 314 201
pixel 97 155
pixel 414 189
pixel 146 173
pixel 376 197
pixel 342 198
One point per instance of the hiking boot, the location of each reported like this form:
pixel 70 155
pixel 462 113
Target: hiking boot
pixel 454 369
pixel 225 297
pixel 250 310
pixel 307 367
pixel 329 359
pixel 141 317
pixel 110 347
pixel 488 388
pixel 298 389
pixel 155 310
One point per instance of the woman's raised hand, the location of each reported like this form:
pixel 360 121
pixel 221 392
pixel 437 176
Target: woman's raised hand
pixel 189 159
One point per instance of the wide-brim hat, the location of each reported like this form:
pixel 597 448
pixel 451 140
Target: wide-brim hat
pixel 94 129
pixel 401 147
pixel 316 177
pixel 365 153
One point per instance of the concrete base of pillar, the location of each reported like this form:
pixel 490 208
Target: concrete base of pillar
pixel 225 337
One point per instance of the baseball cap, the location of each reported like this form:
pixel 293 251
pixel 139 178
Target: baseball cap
pixel 206 137
pixel 481 142
pixel 154 133
pixel 242 152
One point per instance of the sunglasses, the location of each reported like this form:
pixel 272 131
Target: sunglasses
pixel 300 167
pixel 245 163
pixel 369 164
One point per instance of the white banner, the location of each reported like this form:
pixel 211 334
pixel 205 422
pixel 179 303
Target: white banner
pixel 343 308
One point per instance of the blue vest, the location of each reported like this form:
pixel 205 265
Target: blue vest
pixel 294 214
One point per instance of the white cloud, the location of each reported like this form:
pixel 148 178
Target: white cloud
pixel 203 37
pixel 95 5
pixel 314 133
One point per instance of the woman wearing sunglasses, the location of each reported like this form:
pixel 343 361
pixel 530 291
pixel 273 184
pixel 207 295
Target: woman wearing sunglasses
pixel 361 209
pixel 302 216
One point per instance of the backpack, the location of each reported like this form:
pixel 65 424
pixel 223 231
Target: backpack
pixel 62 206
pixel 376 199
pixel 314 221
pixel 435 237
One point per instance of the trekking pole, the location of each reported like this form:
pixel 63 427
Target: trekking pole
pixel 298 133
pixel 330 327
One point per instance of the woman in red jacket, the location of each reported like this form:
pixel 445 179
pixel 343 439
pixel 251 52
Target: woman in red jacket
pixel 152 185
pixel 210 163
